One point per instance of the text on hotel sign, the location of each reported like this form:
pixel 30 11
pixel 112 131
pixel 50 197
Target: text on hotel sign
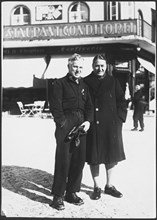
pixel 72 30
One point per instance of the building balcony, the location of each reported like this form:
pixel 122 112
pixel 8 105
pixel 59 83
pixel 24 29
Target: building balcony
pixel 132 31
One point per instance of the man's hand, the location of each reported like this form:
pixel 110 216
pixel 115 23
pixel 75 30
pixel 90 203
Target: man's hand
pixel 85 125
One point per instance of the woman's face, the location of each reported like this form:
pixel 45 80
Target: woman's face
pixel 99 67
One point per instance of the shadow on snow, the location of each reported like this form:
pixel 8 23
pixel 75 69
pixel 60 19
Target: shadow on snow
pixel 30 183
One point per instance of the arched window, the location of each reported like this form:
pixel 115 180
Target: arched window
pixel 20 16
pixel 140 23
pixel 78 12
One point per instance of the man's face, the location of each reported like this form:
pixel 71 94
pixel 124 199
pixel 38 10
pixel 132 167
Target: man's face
pixel 75 69
pixel 99 67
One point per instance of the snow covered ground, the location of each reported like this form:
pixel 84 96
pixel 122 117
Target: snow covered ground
pixel 28 151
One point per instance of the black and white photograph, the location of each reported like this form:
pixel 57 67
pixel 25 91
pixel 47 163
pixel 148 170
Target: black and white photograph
pixel 78 109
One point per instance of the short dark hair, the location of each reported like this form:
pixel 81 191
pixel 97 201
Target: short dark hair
pixel 100 56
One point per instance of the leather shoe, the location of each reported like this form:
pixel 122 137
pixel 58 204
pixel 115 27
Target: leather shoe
pixel 73 198
pixel 57 203
pixel 111 190
pixel 141 129
pixel 96 193
pixel 134 129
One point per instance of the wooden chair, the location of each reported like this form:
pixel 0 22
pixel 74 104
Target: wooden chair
pixel 23 110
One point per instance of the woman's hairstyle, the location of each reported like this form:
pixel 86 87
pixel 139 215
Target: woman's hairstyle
pixel 100 56
pixel 74 57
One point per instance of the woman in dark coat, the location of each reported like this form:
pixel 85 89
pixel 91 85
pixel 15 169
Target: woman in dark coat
pixel 104 138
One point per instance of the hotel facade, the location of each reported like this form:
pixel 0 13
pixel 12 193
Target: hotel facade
pixel 38 38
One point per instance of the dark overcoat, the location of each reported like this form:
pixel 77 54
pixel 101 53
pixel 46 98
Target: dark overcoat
pixel 71 105
pixel 139 104
pixel 104 138
pixel 68 96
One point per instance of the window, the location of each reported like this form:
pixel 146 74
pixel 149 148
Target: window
pixel 112 10
pixel 20 16
pixel 78 12
pixel 153 25
pixel 140 23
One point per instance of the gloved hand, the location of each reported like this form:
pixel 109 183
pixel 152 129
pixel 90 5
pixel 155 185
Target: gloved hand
pixel 86 125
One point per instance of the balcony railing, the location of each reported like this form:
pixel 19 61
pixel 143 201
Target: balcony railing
pixel 144 29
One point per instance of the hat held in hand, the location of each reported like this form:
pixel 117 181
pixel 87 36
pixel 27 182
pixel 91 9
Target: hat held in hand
pixel 75 134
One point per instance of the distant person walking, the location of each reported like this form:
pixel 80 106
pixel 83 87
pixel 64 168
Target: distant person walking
pixel 139 105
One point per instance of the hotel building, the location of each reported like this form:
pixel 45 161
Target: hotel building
pixel 39 36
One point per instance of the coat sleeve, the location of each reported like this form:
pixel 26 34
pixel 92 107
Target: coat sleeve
pixel 56 99
pixel 121 102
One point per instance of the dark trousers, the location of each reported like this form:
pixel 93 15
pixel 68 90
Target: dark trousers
pixel 69 159
pixel 136 118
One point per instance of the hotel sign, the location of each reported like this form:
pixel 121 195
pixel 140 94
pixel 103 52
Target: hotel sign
pixel 70 30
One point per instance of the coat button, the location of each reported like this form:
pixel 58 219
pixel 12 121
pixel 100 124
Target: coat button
pixel 97 109
pixel 97 122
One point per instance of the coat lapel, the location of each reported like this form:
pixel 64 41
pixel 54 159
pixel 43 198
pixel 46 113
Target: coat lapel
pixel 73 86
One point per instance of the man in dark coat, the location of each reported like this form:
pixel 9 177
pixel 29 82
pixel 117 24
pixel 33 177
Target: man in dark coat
pixel 71 106
pixel 139 104
pixel 104 138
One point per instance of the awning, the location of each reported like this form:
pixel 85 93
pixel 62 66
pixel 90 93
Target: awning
pixel 58 67
pixel 39 83
pixel 19 72
pixel 147 65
